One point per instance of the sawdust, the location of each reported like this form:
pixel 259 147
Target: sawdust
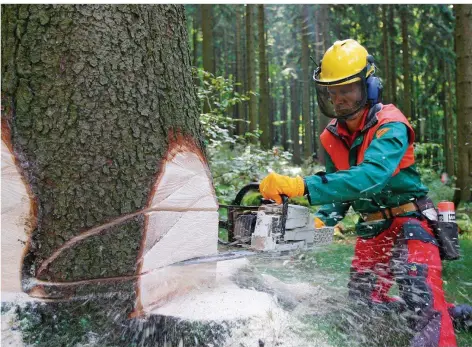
pixel 253 317
pixel 11 334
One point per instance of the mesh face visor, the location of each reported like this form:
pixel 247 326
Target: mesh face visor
pixel 341 101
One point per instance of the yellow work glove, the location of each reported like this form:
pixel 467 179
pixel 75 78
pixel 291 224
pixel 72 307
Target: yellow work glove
pixel 319 223
pixel 273 185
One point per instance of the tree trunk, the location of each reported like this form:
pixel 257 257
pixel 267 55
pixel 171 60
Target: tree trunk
pixel 284 126
pixel 323 31
pixel 448 122
pixel 102 161
pixel 207 34
pixel 392 59
pixel 251 70
pixel 273 135
pixel 195 30
pixel 308 130
pixel 406 63
pixel 241 114
pixel 463 36
pixel 295 118
pixel 264 99
pixel 386 72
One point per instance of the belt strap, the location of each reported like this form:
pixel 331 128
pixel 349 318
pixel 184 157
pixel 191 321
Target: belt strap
pixel 389 213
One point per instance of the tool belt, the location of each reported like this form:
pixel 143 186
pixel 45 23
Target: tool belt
pixel 389 213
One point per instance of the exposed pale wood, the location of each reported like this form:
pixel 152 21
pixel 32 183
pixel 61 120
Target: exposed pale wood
pixel 187 235
pixel 158 287
pixel 17 221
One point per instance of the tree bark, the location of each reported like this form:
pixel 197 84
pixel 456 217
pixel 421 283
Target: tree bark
pixel 195 30
pixel 101 119
pixel 264 100
pixel 393 51
pixel 207 34
pixel 295 120
pixel 406 63
pixel 463 37
pixel 241 114
pixel 386 67
pixel 251 71
pixel 448 122
pixel 322 16
pixel 284 127
pixel 308 130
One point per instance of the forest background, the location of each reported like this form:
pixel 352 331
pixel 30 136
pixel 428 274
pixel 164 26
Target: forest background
pixel 254 66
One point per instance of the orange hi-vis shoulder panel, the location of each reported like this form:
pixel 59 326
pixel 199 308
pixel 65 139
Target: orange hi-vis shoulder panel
pixel 339 151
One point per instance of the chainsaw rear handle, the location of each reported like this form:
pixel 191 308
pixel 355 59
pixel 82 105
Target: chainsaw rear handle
pixel 254 186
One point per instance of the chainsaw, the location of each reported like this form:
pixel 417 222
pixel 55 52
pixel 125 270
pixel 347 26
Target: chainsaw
pixel 268 227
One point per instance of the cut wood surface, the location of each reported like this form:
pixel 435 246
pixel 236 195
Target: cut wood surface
pixel 18 216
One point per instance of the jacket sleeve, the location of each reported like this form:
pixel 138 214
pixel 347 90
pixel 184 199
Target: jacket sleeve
pixel 381 159
pixel 331 214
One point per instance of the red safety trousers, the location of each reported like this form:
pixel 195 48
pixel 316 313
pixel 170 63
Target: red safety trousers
pixel 407 253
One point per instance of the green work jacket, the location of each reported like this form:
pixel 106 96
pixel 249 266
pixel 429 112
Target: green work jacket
pixel 370 185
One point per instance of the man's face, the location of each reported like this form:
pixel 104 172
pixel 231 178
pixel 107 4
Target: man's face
pixel 346 98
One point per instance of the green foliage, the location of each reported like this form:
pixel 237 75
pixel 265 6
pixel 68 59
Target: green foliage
pixel 233 163
pixel 219 95
pixel 464 218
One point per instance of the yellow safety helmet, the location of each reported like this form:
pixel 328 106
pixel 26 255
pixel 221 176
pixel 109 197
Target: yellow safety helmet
pixel 346 62
pixel 343 63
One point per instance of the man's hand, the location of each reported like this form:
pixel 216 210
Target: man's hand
pixel 273 185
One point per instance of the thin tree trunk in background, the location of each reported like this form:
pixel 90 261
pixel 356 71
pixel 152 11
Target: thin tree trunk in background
pixel 207 45
pixel 386 71
pixel 322 16
pixel 283 115
pixel 251 70
pixel 314 110
pixel 393 53
pixel 308 130
pixel 417 112
pixel 463 37
pixel 241 110
pixel 222 69
pixel 273 133
pixel 295 120
pixel 196 27
pixel 207 34
pixel 264 106
pixel 448 122
pixel 95 133
pixel 406 63
pixel 426 118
